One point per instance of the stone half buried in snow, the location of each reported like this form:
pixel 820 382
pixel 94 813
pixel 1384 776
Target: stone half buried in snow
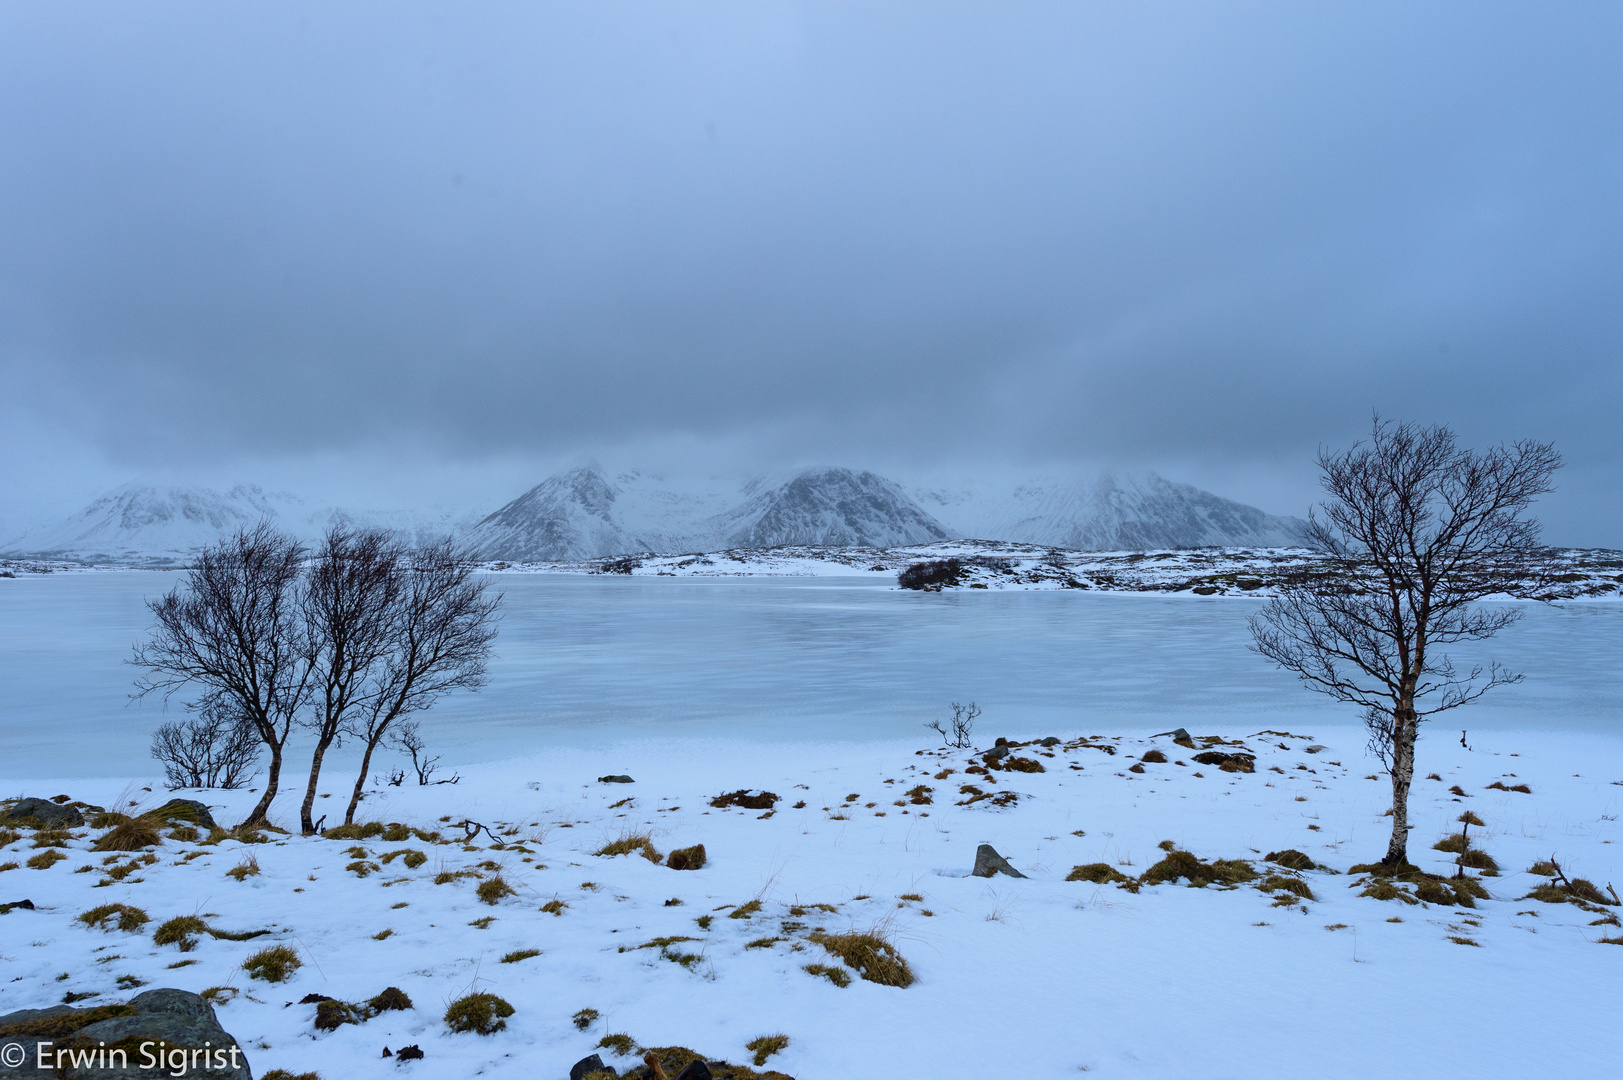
pixel 41 814
pixel 182 1021
pixel 616 778
pixel 989 863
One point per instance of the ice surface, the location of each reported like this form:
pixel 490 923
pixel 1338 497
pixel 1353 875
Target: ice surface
pixel 584 659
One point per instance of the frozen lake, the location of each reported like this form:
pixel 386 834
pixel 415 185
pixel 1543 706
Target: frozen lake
pixel 592 660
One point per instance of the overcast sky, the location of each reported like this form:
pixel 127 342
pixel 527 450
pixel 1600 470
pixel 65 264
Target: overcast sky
pixel 429 248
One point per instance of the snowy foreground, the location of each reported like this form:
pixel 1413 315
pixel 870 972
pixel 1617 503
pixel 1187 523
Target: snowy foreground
pixel 1041 977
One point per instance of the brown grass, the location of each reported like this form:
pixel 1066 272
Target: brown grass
pixel 688 858
pixel 45 860
pixel 244 870
pixel 132 835
pixel 835 975
pixel 628 843
pixel 275 964
pixel 870 954
pixel 495 890
pixel 745 799
pixel 765 1046
pixel 482 1014
pixel 1099 873
pixel 1499 785
pixel 122 916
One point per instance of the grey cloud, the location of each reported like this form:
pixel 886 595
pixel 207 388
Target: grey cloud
pixel 865 232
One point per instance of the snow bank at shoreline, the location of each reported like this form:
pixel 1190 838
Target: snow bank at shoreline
pixel 1045 974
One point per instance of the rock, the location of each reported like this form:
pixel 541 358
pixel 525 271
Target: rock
pixel 1051 741
pixel 1178 735
pixel 618 778
pixel 586 1066
pixel 1315 749
pixel 315 999
pixel 188 810
pixel 26 905
pixel 988 862
pixel 177 1018
pixel 409 1053
pixel 41 814
pixel 696 1070
pixel 997 753
pixel 1227 762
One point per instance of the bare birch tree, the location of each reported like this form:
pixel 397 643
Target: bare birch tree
pixel 232 629
pixel 1417 530
pixel 350 606
pixel 439 641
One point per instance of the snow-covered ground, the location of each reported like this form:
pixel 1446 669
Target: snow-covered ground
pixel 1041 977
pixel 815 688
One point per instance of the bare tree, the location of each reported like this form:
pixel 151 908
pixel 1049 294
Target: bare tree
pixel 1417 531
pixel 962 721
pixel 439 642
pixel 232 629
pixel 350 606
pixel 408 736
pixel 214 749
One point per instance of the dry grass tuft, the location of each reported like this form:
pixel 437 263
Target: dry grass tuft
pixel 745 799
pixel 519 954
pixel 554 906
pixel 765 1046
pixel 870 954
pixel 482 1014
pixel 275 964
pixel 132 835
pixel 182 930
pixel 45 860
pixel 618 1043
pixel 744 911
pixel 390 999
pixel 121 916
pixel 1499 785
pixel 1182 864
pixel 495 890
pixel 639 842
pixel 835 975
pixel 584 1019
pixel 247 868
pixel 1290 859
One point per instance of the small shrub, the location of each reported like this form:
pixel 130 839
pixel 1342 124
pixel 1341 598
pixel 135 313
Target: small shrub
pixel 630 842
pixel 520 954
pixel 132 835
pixel 620 1044
pixel 124 917
pixel 1290 859
pixel 765 1046
pixel 688 858
pixel 482 1014
pixel 835 975
pixel 1099 873
pixel 182 930
pixel 332 1015
pixel 247 868
pixel 274 964
pixel 931 575
pixel 495 890
pixel 45 860
pixel 391 999
pixel 870 954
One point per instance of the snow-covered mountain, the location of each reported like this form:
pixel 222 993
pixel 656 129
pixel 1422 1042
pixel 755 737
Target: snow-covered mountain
pixel 587 513
pixel 584 514
pixel 1108 513
pixel 146 525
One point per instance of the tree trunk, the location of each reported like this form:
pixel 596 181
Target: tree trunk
pixel 360 780
pixel 257 815
pixel 1404 730
pixel 306 812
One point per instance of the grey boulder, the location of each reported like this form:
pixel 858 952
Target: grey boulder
pixel 187 810
pixel 586 1066
pixel 618 778
pixel 988 862
pixel 41 814
pixel 179 1019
